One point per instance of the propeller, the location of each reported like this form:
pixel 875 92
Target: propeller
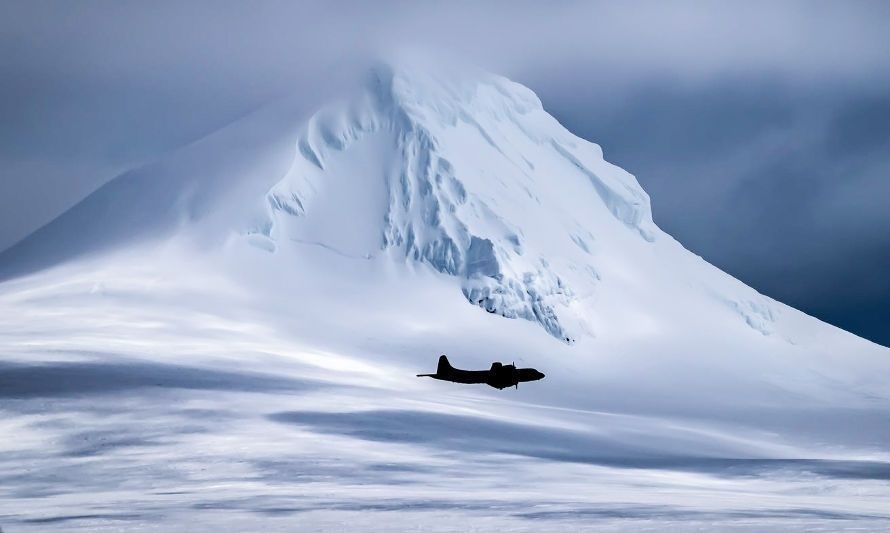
pixel 515 375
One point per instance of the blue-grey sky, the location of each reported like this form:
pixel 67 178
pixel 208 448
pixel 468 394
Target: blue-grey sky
pixel 760 129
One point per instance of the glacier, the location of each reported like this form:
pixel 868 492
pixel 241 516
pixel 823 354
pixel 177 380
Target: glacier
pixel 228 337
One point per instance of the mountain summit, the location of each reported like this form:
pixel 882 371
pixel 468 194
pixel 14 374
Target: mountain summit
pixel 468 175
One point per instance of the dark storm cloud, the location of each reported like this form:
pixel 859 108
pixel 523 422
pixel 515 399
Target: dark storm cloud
pixel 760 129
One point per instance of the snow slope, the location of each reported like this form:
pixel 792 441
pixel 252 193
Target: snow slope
pixel 263 298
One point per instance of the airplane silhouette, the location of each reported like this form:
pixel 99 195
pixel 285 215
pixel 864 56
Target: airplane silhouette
pixel 498 376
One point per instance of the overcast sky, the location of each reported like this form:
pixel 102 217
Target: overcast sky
pixel 761 130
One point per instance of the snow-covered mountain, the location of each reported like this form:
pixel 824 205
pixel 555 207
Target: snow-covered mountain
pixel 438 210
pixel 461 171
pixel 464 173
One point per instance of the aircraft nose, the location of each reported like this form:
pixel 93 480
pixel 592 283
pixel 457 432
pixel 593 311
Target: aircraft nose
pixel 540 375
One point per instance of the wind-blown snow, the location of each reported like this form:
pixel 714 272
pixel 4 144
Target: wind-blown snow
pixel 229 337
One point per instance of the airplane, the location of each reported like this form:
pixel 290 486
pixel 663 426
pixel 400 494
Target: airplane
pixel 498 376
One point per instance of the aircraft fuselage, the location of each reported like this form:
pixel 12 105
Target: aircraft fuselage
pixel 499 376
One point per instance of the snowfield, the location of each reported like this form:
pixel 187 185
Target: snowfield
pixel 226 340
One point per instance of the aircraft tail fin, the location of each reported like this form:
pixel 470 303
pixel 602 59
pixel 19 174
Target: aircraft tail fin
pixel 444 366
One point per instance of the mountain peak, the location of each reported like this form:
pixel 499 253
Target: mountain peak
pixel 450 89
pixel 457 159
